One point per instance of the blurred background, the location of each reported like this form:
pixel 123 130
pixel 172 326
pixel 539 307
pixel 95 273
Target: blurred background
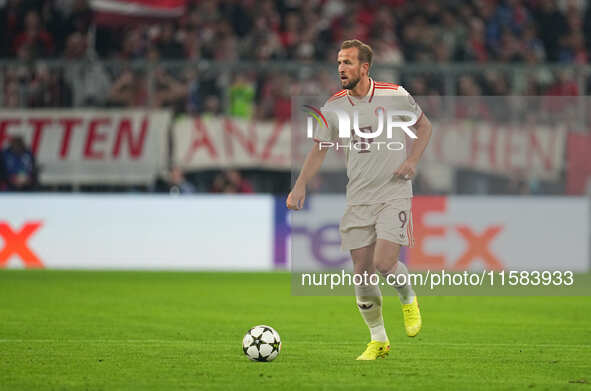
pixel 195 97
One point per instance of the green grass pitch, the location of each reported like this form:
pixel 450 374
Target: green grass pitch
pixel 168 331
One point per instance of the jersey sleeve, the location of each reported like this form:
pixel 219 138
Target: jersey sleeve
pixel 409 103
pixel 327 133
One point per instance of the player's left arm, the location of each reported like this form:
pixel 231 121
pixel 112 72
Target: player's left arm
pixel 423 129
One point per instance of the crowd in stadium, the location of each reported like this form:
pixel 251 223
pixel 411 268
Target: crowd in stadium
pixel 157 64
pixel 437 32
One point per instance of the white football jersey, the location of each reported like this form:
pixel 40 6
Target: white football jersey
pixel 371 162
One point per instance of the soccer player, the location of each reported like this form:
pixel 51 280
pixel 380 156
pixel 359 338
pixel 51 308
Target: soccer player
pixel 377 219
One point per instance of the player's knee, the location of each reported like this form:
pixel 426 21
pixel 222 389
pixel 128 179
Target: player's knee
pixel 361 268
pixel 384 266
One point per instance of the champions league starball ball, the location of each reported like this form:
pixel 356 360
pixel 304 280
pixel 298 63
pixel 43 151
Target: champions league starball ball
pixel 261 343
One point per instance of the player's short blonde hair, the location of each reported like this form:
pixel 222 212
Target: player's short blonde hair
pixel 364 52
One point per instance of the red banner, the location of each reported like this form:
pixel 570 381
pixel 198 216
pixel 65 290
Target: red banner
pixel 116 12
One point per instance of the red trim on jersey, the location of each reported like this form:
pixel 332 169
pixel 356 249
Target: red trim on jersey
pixel 350 101
pixel 410 231
pixel 373 89
pixel 387 84
pixel 336 98
pixel 337 95
pixel 421 116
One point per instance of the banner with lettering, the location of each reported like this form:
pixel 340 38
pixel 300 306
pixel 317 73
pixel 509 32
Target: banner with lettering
pixel 218 142
pixel 92 146
pixel 482 146
pixel 452 233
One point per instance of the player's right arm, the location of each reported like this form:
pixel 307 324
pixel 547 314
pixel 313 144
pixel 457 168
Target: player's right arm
pixel 313 162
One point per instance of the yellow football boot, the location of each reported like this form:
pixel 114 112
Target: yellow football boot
pixel 412 318
pixel 375 350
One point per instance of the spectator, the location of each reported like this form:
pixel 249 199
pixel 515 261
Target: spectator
pixel 241 97
pixel 211 106
pixel 177 184
pixel 290 32
pixel 129 90
pixel 135 44
pixel 11 20
pixel 88 79
pixel 53 21
pixel 47 89
pixel 275 97
pixel 510 48
pixel 168 45
pixel 39 41
pixel 19 166
pixel 169 91
pixel 572 49
pixel 552 25
pixel 533 44
pixel 194 99
pixel 80 18
pixel 12 98
pixel 226 48
pixel 386 52
pixel 262 44
pixel 452 32
pixel 476 106
pixel 231 181
pixel 566 88
pixel 237 182
pixel 475 48
pixel 517 184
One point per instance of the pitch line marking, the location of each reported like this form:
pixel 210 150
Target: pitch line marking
pixel 167 341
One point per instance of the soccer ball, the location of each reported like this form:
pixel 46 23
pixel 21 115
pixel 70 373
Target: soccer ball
pixel 261 343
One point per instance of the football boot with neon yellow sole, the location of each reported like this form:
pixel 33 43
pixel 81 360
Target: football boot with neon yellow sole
pixel 375 350
pixel 412 318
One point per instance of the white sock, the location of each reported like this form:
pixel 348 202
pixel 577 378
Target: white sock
pixel 406 293
pixel 369 302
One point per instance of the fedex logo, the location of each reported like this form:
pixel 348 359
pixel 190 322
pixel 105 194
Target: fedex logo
pixel 477 242
pixel 473 244
pixel 16 244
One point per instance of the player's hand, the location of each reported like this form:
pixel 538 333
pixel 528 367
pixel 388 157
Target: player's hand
pixel 407 170
pixel 296 198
